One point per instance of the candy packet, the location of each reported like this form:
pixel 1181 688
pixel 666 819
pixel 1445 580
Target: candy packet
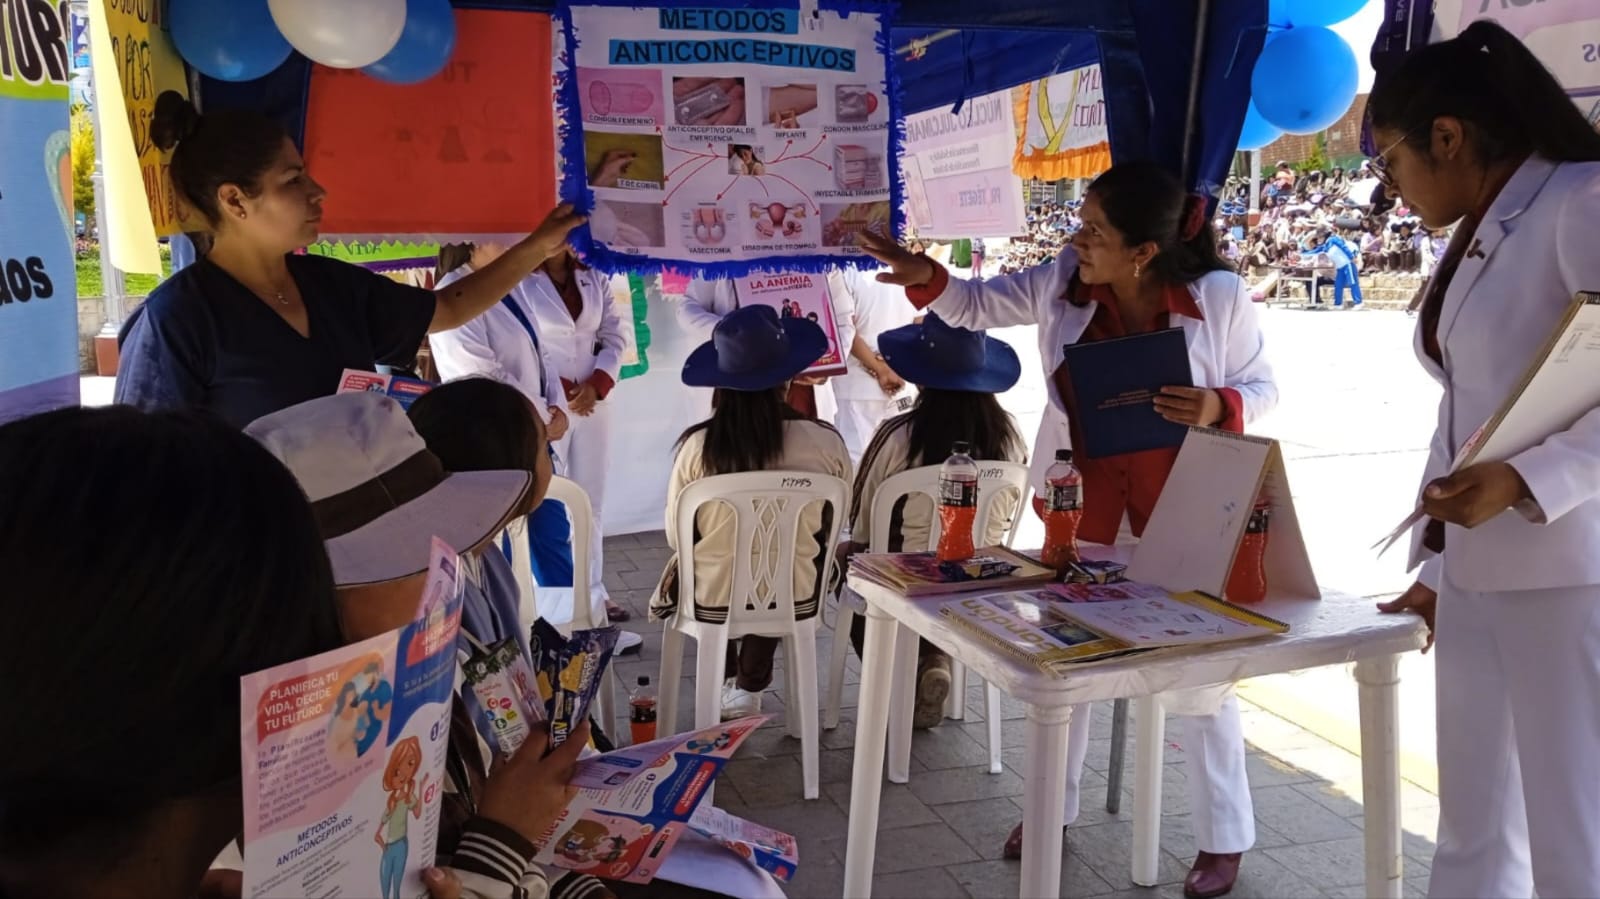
pixel 503 682
pixel 568 673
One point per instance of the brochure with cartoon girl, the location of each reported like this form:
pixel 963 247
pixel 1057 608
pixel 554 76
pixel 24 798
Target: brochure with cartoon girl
pixel 344 757
pixel 634 803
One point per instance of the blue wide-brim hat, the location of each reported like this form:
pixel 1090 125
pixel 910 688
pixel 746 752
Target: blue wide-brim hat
pixel 752 349
pixel 934 354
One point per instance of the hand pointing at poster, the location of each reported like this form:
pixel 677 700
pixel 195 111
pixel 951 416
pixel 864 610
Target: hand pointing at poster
pixel 906 269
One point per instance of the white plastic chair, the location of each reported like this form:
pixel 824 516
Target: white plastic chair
pixel 767 507
pixel 583 615
pixel 995 479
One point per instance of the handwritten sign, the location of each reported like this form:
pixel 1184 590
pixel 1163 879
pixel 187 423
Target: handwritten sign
pixel 1062 120
pixel 38 317
pixel 464 152
pixel 146 65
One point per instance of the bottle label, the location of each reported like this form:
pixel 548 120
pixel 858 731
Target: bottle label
pixel 1258 520
pixel 1063 498
pixel 957 493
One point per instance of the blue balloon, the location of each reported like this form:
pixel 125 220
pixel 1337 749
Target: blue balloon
pixel 1311 13
pixel 232 41
pixel 1257 132
pixel 424 47
pixel 1304 80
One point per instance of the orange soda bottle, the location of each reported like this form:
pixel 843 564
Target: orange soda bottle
pixel 1247 581
pixel 958 504
pixel 1063 509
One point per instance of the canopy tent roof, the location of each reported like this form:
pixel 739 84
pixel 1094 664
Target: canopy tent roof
pixel 1176 72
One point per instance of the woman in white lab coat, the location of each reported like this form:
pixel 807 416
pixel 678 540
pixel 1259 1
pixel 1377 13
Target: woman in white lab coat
pixel 1474 130
pixel 1145 259
pixel 582 336
pixel 869 392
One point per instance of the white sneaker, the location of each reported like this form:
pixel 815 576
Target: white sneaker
pixel 627 641
pixel 737 703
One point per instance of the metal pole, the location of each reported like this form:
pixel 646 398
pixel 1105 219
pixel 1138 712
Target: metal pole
pixel 1255 180
pixel 1191 117
pixel 112 289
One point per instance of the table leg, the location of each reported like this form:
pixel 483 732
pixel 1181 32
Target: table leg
pixel 1379 680
pixel 866 781
pixel 902 699
pixel 1042 813
pixel 1119 750
pixel 1148 746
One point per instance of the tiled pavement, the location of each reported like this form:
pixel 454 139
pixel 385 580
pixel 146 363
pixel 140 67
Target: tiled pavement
pixel 940 835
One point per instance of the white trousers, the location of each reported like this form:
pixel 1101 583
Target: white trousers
pixel 857 420
pixel 1219 792
pixel 584 453
pixel 1518 706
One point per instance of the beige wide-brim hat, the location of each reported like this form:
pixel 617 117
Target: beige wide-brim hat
pixel 379 495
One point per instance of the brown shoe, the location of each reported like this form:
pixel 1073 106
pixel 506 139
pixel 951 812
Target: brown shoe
pixel 933 688
pixel 1212 875
pixel 615 613
pixel 1013 847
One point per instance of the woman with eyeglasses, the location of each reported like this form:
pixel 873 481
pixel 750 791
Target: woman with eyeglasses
pixel 1475 131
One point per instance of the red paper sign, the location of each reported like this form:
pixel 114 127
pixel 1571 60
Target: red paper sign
pixel 470 150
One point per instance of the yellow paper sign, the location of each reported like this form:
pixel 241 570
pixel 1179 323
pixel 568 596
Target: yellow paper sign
pixel 146 64
pixel 1061 124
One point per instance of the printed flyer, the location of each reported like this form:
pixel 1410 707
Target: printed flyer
pixel 401 389
pixel 959 182
pixel 634 803
pixel 344 755
pixel 798 295
pixel 721 140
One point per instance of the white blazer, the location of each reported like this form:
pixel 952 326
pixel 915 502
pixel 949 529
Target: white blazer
pixel 495 345
pixel 594 342
pixel 1226 348
pixel 1534 249
pixel 874 308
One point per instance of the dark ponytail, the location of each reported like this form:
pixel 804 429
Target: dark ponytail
pixel 1147 203
pixel 1511 104
pixel 226 147
pixel 745 431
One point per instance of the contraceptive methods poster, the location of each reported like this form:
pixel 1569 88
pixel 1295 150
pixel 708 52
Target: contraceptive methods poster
pixel 959 182
pixel 720 140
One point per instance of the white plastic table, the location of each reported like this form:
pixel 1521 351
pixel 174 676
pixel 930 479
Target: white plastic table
pixel 1337 629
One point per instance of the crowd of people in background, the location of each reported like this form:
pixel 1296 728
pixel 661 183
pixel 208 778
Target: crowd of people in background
pixel 1302 217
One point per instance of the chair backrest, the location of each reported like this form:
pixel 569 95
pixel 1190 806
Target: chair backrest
pixel 995 479
pixel 767 508
pixel 581 512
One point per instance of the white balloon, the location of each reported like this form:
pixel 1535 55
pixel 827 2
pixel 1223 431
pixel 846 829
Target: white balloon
pixel 344 34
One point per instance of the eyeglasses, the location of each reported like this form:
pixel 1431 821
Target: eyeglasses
pixel 1380 162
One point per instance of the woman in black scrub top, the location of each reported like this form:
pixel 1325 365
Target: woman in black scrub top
pixel 253 327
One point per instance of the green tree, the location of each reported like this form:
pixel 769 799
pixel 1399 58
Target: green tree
pixel 82 160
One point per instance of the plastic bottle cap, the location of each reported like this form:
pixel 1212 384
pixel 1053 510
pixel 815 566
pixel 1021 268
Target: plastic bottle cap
pixel 961 448
pixel 644 681
pixel 1063 455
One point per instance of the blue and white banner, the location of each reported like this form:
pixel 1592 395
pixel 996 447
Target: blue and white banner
pixel 38 293
pixel 719 139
